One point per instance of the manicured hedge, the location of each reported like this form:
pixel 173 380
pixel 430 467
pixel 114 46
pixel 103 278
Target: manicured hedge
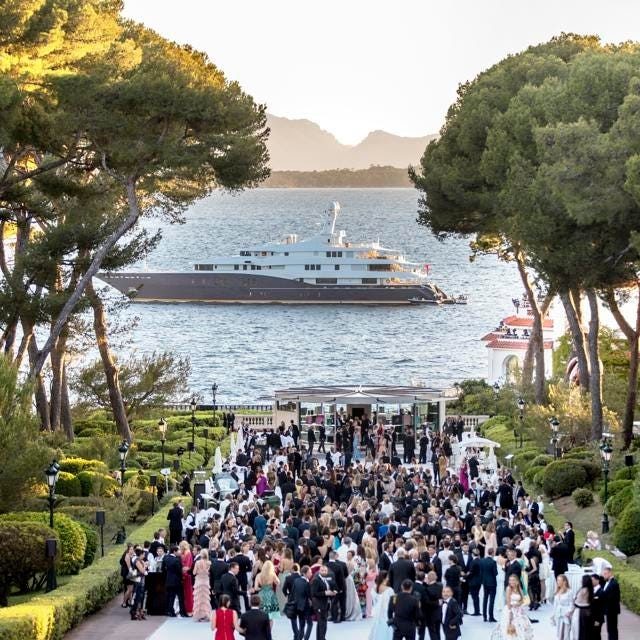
pixel 76 465
pixel 582 497
pixel 561 477
pixel 95 483
pixel 614 487
pixel 49 616
pixel 617 504
pixel 73 542
pixel 626 534
pixel 68 484
pixel 92 543
pixel 541 460
pixel 627 473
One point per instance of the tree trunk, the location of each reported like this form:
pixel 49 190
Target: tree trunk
pixel 40 393
pixel 536 336
pixel 94 267
pixel 632 382
pixel 57 366
pixel 65 407
pixel 596 370
pixel 577 337
pixel 109 364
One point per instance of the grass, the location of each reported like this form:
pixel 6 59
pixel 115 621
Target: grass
pixel 583 519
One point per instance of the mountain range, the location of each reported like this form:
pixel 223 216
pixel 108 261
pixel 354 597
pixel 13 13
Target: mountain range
pixel 302 145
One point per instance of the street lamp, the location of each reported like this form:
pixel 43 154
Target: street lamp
pixel 123 449
pixel 606 449
pixel 194 406
pixel 162 425
pixel 496 388
pixel 214 390
pixel 52 472
pixel 521 406
pixel 554 423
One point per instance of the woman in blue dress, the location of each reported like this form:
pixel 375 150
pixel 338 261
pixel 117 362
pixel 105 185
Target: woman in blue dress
pixel 381 597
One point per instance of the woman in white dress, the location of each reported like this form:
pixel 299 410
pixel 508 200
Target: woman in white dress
pixel 380 630
pixel 514 623
pixel 499 604
pixel 562 606
pixel 547 580
pixel 353 611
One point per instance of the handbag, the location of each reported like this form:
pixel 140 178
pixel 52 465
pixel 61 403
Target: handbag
pixel 133 574
pixel 290 610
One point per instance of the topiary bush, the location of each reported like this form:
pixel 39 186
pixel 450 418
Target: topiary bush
pixel 92 543
pixel 538 478
pixel 582 497
pixel 76 465
pixel 522 459
pixel 561 477
pixel 617 503
pixel 529 475
pixel 22 555
pixel 627 473
pixel 592 469
pixel 626 534
pixel 94 483
pixel 614 487
pixel 541 460
pixel 68 484
pixel 73 542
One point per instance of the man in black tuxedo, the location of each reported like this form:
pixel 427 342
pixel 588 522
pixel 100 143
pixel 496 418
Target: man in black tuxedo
pixel 431 609
pixel 400 570
pixel 385 559
pixel 464 560
pixel 172 568
pixel 611 595
pixel 513 567
pixel 505 493
pixel 244 566
pixel 229 586
pixel 420 594
pixel 489 580
pixel 322 590
pixel 255 624
pixel 311 438
pixel 175 523
pixel 409 444
pixel 434 561
pixel 301 595
pixel 559 554
pixel 597 605
pixel 287 588
pixel 404 611
pixel 339 570
pixel 474 580
pixel 451 615
pixel 570 540
pixel 217 569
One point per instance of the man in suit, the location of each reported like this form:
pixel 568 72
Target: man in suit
pixel 244 565
pixel 301 595
pixel 229 586
pixel 420 594
pixel 559 554
pixel 611 595
pixel 404 610
pixel 432 610
pixel 489 581
pixel 434 561
pixel 287 588
pixel 172 568
pixel 311 438
pixel 451 615
pixel 505 495
pixel 400 570
pixel 322 590
pixel 464 560
pixel 255 624
pixel 217 569
pixel 340 572
pixel 597 605
pixel 570 540
pixel 385 559
pixel 175 523
pixel 474 580
pixel 513 567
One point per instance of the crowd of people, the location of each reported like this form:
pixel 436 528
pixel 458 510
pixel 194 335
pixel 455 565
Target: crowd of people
pixel 356 532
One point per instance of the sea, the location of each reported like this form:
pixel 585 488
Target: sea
pixel 251 350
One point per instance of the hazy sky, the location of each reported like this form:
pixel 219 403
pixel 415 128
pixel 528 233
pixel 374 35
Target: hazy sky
pixel 354 66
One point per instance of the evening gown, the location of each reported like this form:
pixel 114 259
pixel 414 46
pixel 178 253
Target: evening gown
pixel 371 588
pixel 562 605
pixel 517 617
pixel 269 602
pixel 187 582
pixel 224 624
pixel 353 611
pixel 380 629
pixel 202 591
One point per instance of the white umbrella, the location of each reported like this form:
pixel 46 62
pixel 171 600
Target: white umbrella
pixel 217 461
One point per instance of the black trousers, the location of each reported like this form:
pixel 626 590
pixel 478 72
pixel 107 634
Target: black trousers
pixel 612 626
pixel 172 593
pixel 175 536
pixel 302 626
pixel 535 588
pixel 474 592
pixel 322 614
pixel 464 595
pixel 488 598
pixel 404 631
pixel 421 629
pixel 339 606
pixel 321 447
pixel 433 626
pixel 423 456
pixel 436 473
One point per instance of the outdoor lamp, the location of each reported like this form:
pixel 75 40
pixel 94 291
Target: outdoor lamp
pixel 606 450
pixel 194 404
pixel 521 404
pixel 162 425
pixel 52 472
pixel 123 449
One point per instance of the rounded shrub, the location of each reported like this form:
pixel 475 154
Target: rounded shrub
pixel 578 455
pixel 614 487
pixel 627 473
pixel 68 484
pixel 617 503
pixel 94 483
pixel 541 460
pixel 538 478
pixel 76 465
pixel 22 554
pixel 522 459
pixel 592 469
pixel 73 542
pixel 92 543
pixel 582 497
pixel 561 477
pixel 626 534
pixel 529 475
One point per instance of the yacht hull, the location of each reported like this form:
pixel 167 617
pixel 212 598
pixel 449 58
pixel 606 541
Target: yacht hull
pixel 250 289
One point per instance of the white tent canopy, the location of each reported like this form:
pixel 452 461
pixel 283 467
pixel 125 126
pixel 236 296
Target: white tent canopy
pixel 476 442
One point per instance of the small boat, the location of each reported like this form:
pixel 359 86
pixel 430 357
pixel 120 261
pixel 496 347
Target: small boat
pixel 424 301
pixel 461 299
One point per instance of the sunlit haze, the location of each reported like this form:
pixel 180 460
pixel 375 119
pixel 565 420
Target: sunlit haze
pixel 354 66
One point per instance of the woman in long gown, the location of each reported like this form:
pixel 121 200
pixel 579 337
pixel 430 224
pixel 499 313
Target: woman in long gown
pixel 514 623
pixel 499 604
pixel 381 596
pixel 201 589
pixel 562 605
pixel 186 558
pixel 284 569
pixel 581 619
pixel 265 584
pixel 464 475
pixel 352 610
pixel 224 619
pixel 370 579
pixel 547 580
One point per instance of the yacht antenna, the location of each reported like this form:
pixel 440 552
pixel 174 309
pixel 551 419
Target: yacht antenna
pixel 333 215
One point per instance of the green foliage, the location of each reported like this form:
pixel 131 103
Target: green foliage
pixel 626 534
pixel 541 460
pixel 627 473
pixel 94 425
pixel 92 543
pixel 538 478
pixel 592 469
pixel 614 487
pixel 561 477
pixel 374 176
pixel 73 542
pixel 22 555
pixel 530 473
pixel 97 484
pixel 68 484
pixel 582 497
pixel 522 460
pixel 617 503
pixel 76 465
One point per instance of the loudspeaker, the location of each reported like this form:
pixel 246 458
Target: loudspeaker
pixel 176 465
pixel 153 481
pixel 198 489
pixel 205 433
pixel 100 519
pixel 190 446
pixel 51 547
pixel 628 460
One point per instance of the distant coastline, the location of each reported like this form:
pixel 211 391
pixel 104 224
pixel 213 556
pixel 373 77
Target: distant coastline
pixel 374 177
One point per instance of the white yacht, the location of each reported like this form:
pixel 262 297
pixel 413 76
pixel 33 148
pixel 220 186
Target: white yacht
pixel 325 268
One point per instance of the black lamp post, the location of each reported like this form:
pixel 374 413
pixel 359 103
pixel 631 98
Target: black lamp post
pixel 496 389
pixel 162 425
pixel 555 426
pixel 521 406
pixel 52 472
pixel 123 449
pixel 606 450
pixel 214 391
pixel 194 406
pixel 205 433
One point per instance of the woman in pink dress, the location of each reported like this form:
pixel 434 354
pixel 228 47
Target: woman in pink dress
pixel 186 558
pixel 370 579
pixel 464 475
pixel 202 589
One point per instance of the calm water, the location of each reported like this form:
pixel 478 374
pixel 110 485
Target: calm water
pixel 252 350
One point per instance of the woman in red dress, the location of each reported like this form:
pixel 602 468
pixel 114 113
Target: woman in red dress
pixel 224 620
pixel 186 557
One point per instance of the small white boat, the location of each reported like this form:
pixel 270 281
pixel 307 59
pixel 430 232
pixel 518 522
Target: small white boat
pixel 461 299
